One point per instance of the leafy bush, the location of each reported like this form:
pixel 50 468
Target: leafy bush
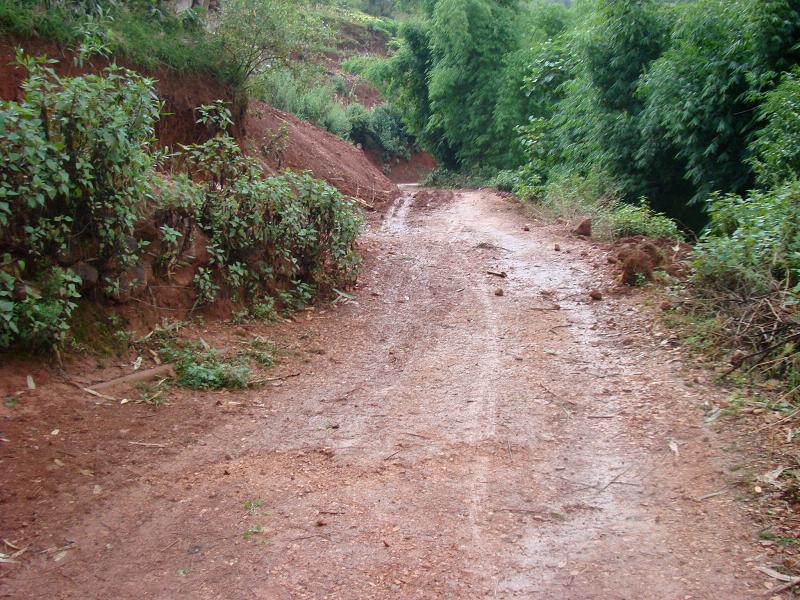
pixel 256 35
pixel 148 36
pixel 505 181
pixel 201 369
pixel 76 166
pixel 600 197
pixel 474 178
pixel 305 95
pixel 288 227
pixel 379 128
pixel 36 315
pixel 777 144
pixel 747 269
pixel 77 174
pixel 752 245
pixel 632 219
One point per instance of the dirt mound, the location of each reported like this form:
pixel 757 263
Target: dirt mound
pixel 312 148
pixel 181 93
pixel 638 256
pixel 413 170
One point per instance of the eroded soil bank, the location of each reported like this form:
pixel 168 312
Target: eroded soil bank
pixel 441 441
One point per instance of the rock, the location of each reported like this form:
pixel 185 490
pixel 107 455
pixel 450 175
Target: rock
pixel 635 264
pixel 584 228
pixel 595 295
pixel 499 292
pixel 88 274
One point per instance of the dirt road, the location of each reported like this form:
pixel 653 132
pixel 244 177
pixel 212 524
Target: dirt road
pixel 444 442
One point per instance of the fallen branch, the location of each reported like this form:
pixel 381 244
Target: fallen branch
pixel 268 379
pixel 146 375
pixel 614 480
pixel 711 495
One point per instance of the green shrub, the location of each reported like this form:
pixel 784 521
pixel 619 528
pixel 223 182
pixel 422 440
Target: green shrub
pixel 305 95
pixel 777 144
pixel 474 178
pixel 77 173
pixel 35 314
pixel 200 369
pixel 505 181
pixel 379 128
pixel 631 219
pixel 76 166
pixel 600 197
pixel 752 245
pixel 289 227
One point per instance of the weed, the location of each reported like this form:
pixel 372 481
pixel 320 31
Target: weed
pixel 201 369
pixel 260 351
pixel 252 532
pixel 154 394
pixel 265 309
pixel 252 506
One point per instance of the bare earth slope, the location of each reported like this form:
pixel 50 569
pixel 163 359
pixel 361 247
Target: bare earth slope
pixel 310 147
pixel 448 442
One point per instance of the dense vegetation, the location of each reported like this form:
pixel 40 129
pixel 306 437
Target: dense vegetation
pixel 88 207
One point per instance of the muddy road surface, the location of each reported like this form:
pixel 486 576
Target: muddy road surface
pixel 457 434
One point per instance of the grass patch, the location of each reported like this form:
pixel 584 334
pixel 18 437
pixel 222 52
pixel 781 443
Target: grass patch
pixel 599 198
pixel 150 39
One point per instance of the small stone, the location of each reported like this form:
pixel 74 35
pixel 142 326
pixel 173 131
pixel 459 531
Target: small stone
pixel 526 228
pixel 499 292
pixel 557 248
pixel 584 228
pixel 595 295
pixel 665 306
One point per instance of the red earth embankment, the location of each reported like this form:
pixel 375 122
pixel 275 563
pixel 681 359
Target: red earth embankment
pixel 309 147
pixel 325 155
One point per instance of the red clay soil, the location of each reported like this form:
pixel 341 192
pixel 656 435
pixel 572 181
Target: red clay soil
pixel 413 170
pixel 428 439
pixel 181 93
pixel 310 147
pixel 325 155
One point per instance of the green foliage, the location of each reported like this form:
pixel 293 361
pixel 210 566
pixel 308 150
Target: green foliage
pixel 752 245
pixel 77 173
pixel 600 197
pixel 200 369
pixel 469 40
pixel 699 94
pixel 776 147
pixel 474 178
pixel 255 35
pixel 76 160
pixel 76 165
pixel 149 36
pixel 640 219
pixel 379 128
pixel 305 95
pixel 35 314
pixel 289 227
